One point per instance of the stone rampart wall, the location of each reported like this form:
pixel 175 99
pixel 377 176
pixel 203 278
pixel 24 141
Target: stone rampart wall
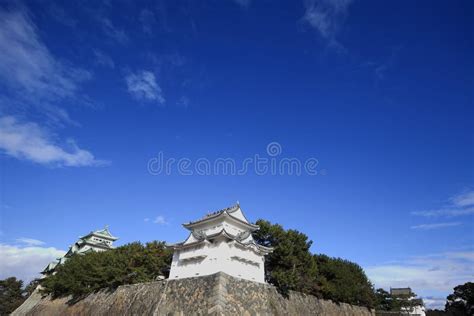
pixel 218 294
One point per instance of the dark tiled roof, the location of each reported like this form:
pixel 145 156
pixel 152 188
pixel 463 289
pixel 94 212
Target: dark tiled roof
pixel 216 214
pixel 229 209
pixel 238 238
pixel 104 233
pixel 401 291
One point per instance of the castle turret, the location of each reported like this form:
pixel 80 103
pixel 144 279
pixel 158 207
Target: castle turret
pixel 220 242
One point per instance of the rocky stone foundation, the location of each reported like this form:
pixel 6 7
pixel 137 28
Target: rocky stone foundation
pixel 217 294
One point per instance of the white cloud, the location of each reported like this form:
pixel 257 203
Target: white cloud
pixel 433 302
pixel 160 220
pixel 28 68
pixel 36 84
pixel 431 276
pixel 326 16
pixel 102 59
pixel 435 225
pixel 445 212
pixel 459 205
pixel 464 199
pixel 25 263
pixel 142 85
pixel 30 241
pixel 27 140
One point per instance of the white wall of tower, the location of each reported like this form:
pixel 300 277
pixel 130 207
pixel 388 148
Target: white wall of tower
pixel 221 256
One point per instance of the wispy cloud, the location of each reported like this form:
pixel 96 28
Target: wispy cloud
pixel 463 199
pixel 147 19
pixel 102 59
pixel 168 61
pixel 117 34
pixel 427 275
pixel 30 72
pixel 434 302
pixel 459 205
pixel 27 140
pixel 30 241
pixel 435 225
pixel 36 84
pixel 446 212
pixel 243 3
pixel 326 17
pixel 160 220
pixel 61 16
pixel 183 102
pixel 382 68
pixel 25 263
pixel 143 86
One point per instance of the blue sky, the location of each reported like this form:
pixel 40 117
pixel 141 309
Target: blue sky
pixel 380 93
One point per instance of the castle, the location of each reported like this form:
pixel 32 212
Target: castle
pixel 220 242
pixel 99 240
pixel 217 270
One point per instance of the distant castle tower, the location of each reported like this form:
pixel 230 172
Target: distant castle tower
pixel 220 242
pixel 99 240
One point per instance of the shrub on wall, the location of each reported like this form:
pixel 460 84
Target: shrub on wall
pixel 128 264
pixel 12 295
pixel 344 281
pixel 292 266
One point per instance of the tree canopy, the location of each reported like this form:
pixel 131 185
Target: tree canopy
pixel 384 301
pixel 461 302
pixel 12 295
pixel 292 266
pixel 131 263
pixel 344 281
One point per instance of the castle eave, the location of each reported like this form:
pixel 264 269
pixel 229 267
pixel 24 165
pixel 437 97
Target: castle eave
pixel 213 217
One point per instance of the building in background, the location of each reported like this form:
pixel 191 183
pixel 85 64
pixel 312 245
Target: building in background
pixel 99 240
pixel 401 292
pixel 412 305
pixel 220 242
